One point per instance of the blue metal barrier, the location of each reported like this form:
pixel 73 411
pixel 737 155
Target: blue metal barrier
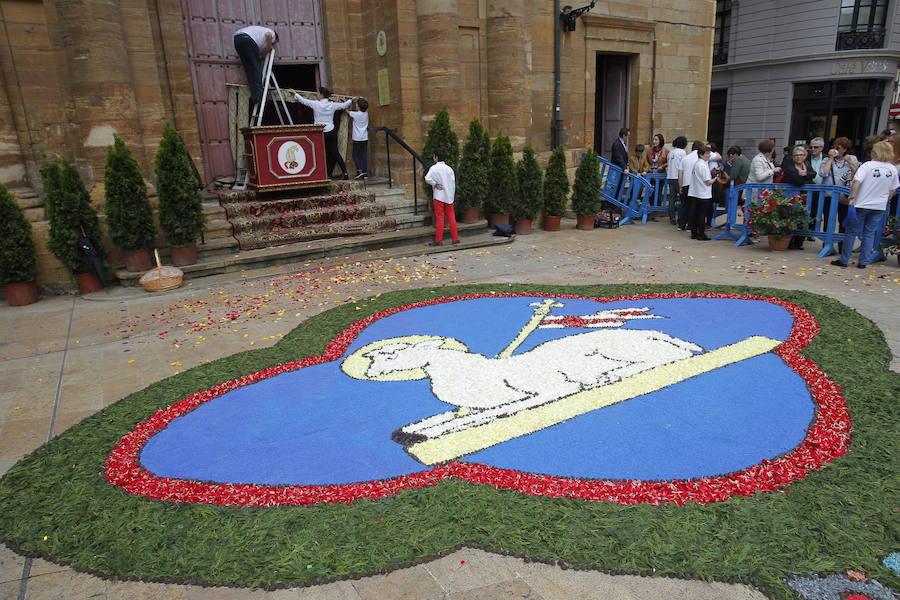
pixel 891 219
pixel 659 199
pixel 822 200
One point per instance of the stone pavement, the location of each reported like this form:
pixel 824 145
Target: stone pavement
pixel 66 357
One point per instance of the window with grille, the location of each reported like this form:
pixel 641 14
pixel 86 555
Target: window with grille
pixel 862 24
pixel 723 32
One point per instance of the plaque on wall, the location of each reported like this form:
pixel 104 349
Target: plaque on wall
pixel 384 89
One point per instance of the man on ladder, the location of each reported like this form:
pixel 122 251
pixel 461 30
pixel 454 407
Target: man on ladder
pixel 253 44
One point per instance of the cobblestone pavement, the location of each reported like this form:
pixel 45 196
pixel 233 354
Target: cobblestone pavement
pixel 51 353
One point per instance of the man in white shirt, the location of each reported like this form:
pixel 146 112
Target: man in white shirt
pixel 323 113
pixel 442 178
pixel 360 138
pixel 253 44
pixel 684 180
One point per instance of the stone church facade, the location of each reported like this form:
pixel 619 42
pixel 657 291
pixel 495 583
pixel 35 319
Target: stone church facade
pixel 75 72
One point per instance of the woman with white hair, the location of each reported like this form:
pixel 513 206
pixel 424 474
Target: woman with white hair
pixel 874 183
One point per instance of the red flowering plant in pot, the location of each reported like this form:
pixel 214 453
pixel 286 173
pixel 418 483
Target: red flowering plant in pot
pixel 892 235
pixel 777 216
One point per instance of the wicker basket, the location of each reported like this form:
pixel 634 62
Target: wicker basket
pixel 161 278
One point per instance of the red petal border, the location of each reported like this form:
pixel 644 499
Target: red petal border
pixel 828 437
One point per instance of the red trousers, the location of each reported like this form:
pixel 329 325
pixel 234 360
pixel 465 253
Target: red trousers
pixel 442 209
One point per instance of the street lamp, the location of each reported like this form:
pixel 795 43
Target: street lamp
pixel 563 19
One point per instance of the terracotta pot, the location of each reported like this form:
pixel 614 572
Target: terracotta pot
pixel 523 226
pixel 585 222
pixel 184 255
pixel 499 219
pixel 20 294
pixel 88 283
pixel 138 261
pixel 552 223
pixel 470 215
pixel 779 242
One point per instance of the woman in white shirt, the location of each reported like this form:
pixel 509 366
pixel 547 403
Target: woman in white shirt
pixel 700 194
pixel 874 183
pixel 323 113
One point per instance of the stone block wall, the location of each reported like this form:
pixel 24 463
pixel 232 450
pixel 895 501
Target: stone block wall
pixel 74 72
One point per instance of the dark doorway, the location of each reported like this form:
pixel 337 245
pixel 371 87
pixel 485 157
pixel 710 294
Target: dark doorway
pixel 715 126
pixel 610 100
pixel 294 77
pixel 830 109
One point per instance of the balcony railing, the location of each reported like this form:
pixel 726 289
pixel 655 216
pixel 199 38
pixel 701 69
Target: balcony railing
pixel 857 40
pixel 720 56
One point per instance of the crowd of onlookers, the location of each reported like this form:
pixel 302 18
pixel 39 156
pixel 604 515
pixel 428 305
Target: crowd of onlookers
pixel 699 179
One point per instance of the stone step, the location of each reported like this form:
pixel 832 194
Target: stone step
pixel 219 257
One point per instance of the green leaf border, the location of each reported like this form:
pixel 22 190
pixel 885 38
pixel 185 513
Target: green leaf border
pixel 841 517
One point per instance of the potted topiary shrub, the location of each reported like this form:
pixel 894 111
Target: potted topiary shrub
pixel 556 189
pixel 531 191
pixel 72 220
pixel 502 180
pixel 586 191
pixel 441 135
pixel 180 205
pixel 18 259
pixel 472 177
pixel 129 217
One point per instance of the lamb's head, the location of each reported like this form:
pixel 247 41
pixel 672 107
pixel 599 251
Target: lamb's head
pixel 393 357
pixel 397 359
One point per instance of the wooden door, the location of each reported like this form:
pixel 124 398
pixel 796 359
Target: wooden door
pixel 210 27
pixel 611 101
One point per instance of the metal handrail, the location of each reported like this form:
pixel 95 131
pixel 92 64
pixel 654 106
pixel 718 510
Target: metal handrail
pixel 392 134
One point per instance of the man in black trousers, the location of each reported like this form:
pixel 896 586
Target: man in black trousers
pixel 619 156
pixel 253 44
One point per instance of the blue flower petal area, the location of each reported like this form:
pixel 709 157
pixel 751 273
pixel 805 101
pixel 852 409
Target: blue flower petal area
pixel 318 426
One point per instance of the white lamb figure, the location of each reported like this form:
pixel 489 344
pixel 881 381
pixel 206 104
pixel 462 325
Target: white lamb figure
pixel 551 370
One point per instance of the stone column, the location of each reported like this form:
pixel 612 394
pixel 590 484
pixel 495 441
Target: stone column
pixel 439 80
pixel 100 75
pixel 508 76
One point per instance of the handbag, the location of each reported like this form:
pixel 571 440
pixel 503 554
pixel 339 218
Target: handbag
pixel 842 199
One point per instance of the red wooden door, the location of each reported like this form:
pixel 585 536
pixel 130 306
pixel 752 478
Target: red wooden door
pixel 210 27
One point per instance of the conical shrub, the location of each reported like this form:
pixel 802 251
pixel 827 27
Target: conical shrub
pixel 129 217
pixel 472 179
pixel 69 210
pixel 18 260
pixel 586 191
pixel 531 186
pixel 180 205
pixel 503 184
pixel 441 135
pixel 556 184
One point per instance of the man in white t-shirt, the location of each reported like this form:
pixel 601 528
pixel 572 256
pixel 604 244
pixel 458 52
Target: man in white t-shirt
pixel 699 193
pixel 323 114
pixel 253 44
pixel 684 178
pixel 874 183
pixel 360 138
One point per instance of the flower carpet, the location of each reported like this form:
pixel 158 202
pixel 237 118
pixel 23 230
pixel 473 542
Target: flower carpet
pixel 736 434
